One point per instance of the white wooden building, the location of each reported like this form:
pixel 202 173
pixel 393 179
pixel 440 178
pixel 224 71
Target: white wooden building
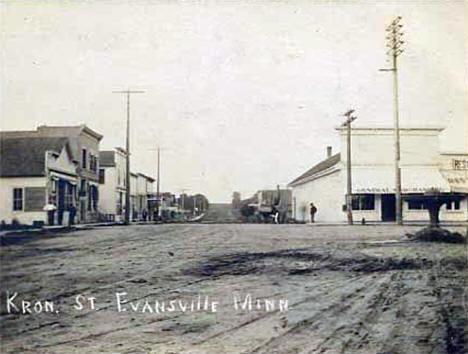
pixel 35 171
pixel 423 168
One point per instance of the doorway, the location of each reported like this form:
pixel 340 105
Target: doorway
pixel 388 207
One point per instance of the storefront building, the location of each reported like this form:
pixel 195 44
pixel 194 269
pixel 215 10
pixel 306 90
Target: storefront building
pixel 37 172
pixel 112 184
pixel 84 146
pixel 423 170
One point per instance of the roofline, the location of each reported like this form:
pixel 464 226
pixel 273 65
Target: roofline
pixel 145 176
pixel 83 127
pixel 304 175
pixel 328 171
pixel 454 153
pixel 92 132
pixel 23 175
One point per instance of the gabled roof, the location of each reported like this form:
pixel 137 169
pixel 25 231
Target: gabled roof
pixel 321 166
pixel 74 130
pixel 107 158
pixel 25 157
pixel 51 131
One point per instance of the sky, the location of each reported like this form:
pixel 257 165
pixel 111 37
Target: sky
pixel 239 95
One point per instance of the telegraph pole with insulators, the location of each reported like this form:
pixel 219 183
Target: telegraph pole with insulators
pixel 127 149
pixel 394 44
pixel 349 185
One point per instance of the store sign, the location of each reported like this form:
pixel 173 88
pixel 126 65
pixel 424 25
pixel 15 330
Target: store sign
pixel 392 190
pixel 460 164
pixel 457 180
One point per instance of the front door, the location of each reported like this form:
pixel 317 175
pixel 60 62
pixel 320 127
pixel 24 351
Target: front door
pixel 61 200
pixel 388 207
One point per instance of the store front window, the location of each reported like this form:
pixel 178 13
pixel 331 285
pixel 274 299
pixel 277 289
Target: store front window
pixel 363 202
pixel 415 205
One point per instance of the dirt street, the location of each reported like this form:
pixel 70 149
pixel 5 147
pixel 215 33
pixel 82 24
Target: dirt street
pixel 348 289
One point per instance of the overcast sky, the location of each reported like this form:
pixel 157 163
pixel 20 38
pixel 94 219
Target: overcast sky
pixel 240 95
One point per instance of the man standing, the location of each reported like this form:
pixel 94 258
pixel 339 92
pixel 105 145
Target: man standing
pixel 313 210
pixel 71 215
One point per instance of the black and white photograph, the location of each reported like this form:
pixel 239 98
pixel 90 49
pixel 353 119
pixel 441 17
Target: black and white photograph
pixel 234 176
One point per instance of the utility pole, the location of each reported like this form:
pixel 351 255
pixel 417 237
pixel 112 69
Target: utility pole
pixel 394 44
pixel 127 148
pixel 182 198
pixel 349 189
pixel 159 173
pixel 158 180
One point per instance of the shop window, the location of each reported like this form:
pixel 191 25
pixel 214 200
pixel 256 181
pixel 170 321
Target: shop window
pixel 453 205
pixel 89 198
pixel 415 205
pixel 363 202
pixel 17 198
pixel 95 197
pixel 68 198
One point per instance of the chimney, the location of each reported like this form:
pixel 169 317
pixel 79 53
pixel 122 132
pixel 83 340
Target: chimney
pixel 329 151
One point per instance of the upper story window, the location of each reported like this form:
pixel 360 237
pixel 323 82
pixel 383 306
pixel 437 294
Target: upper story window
pixel 93 163
pixel 363 202
pixel 84 159
pixel 17 198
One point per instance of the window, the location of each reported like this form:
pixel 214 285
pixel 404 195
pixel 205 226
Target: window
pixel 92 163
pixel 89 198
pixel 83 187
pixel 415 205
pixel 453 205
pixel 363 202
pixel 84 158
pixel 68 199
pixel 17 198
pixel 95 197
pixel 102 176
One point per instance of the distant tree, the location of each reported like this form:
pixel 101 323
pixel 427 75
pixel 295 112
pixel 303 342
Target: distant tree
pixel 201 202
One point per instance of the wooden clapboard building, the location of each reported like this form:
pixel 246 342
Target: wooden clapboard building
pixel 84 146
pixel 426 173
pixel 35 172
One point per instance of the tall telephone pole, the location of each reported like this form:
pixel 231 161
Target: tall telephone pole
pixel 394 44
pixel 159 173
pixel 127 148
pixel 349 189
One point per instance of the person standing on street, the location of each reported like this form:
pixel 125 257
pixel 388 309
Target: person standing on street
pixel 71 215
pixel 313 210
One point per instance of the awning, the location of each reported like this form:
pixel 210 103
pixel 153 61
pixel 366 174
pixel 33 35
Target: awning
pixel 58 175
pixel 382 180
